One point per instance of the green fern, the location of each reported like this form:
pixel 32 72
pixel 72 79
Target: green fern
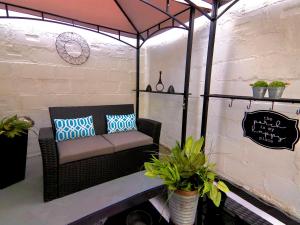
pixel 14 126
pixel 188 169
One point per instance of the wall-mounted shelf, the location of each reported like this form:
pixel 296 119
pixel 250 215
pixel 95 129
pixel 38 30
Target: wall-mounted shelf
pixel 249 98
pixel 162 92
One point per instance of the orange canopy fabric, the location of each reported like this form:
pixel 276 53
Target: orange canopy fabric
pixel 128 18
pixel 131 17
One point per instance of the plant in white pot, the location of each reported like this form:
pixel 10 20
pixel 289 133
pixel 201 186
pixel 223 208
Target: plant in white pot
pixel 13 142
pixel 188 175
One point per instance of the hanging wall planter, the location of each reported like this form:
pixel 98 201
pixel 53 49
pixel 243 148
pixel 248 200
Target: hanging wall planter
pixel 276 89
pixel 259 89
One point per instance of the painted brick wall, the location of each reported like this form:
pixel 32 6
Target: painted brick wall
pixel 34 77
pixel 255 40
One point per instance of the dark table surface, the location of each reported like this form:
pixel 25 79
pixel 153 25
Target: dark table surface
pixel 231 211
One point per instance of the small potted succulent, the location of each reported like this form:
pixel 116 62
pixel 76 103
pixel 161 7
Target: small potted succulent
pixel 187 174
pixel 13 142
pixel 259 88
pixel 276 89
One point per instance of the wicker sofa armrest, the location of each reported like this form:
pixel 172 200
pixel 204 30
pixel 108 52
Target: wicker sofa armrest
pixel 150 127
pixel 50 163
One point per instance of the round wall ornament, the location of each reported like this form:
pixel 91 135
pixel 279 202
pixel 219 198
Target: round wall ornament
pixel 72 48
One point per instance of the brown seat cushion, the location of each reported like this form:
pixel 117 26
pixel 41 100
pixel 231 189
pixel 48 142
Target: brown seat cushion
pixel 126 140
pixel 83 148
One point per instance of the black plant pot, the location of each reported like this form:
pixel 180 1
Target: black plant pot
pixel 12 159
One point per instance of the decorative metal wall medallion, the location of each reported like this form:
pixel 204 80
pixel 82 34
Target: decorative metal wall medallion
pixel 72 48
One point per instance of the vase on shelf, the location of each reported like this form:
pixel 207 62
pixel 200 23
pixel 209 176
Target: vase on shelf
pixel 160 86
pixel 171 89
pixel 148 88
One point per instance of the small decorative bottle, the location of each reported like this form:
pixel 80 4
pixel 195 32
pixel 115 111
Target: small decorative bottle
pixel 160 86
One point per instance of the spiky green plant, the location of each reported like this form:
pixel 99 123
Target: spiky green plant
pixel 188 169
pixel 14 126
pixel 278 84
pixel 260 83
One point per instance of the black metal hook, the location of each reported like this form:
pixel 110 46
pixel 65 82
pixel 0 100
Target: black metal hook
pixel 272 106
pixel 249 106
pixel 230 105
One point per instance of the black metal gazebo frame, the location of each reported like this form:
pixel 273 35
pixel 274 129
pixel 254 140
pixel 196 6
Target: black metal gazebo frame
pixel 142 37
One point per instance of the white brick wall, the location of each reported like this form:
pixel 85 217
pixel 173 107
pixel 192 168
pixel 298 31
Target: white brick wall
pixel 255 40
pixel 34 77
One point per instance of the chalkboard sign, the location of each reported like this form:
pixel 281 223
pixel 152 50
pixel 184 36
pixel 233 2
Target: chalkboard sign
pixel 271 129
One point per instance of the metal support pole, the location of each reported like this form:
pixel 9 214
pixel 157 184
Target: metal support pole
pixel 209 62
pixel 187 75
pixel 137 92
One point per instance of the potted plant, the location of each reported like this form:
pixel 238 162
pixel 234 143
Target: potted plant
pixel 276 89
pixel 13 141
pixel 259 88
pixel 187 174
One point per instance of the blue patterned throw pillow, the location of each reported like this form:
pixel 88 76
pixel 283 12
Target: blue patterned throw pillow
pixel 120 123
pixel 67 129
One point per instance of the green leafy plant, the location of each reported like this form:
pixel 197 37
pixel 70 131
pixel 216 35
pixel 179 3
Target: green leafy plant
pixel 188 169
pixel 278 84
pixel 15 126
pixel 260 83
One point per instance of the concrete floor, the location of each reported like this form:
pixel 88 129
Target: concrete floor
pixel 22 203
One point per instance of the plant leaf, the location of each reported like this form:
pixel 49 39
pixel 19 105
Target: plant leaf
pixel 222 186
pixel 188 146
pixel 217 200
pixel 213 192
pixel 211 175
pixel 197 147
pixel 207 187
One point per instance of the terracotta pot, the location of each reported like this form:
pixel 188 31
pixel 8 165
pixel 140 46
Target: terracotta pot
pixel 183 207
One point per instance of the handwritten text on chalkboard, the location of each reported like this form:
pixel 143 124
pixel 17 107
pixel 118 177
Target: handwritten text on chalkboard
pixel 271 129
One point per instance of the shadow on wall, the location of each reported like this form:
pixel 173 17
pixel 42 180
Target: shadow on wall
pixel 255 40
pixel 34 77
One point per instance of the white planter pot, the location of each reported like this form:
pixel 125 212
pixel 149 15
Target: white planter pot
pixel 183 207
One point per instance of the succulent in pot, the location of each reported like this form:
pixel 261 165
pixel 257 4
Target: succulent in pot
pixel 188 174
pixel 13 142
pixel 15 126
pixel 259 88
pixel 276 89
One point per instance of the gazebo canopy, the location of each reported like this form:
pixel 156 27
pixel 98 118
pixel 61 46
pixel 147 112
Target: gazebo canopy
pixel 139 19
pixel 115 18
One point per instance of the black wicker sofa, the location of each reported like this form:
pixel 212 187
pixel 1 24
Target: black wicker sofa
pixel 64 173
